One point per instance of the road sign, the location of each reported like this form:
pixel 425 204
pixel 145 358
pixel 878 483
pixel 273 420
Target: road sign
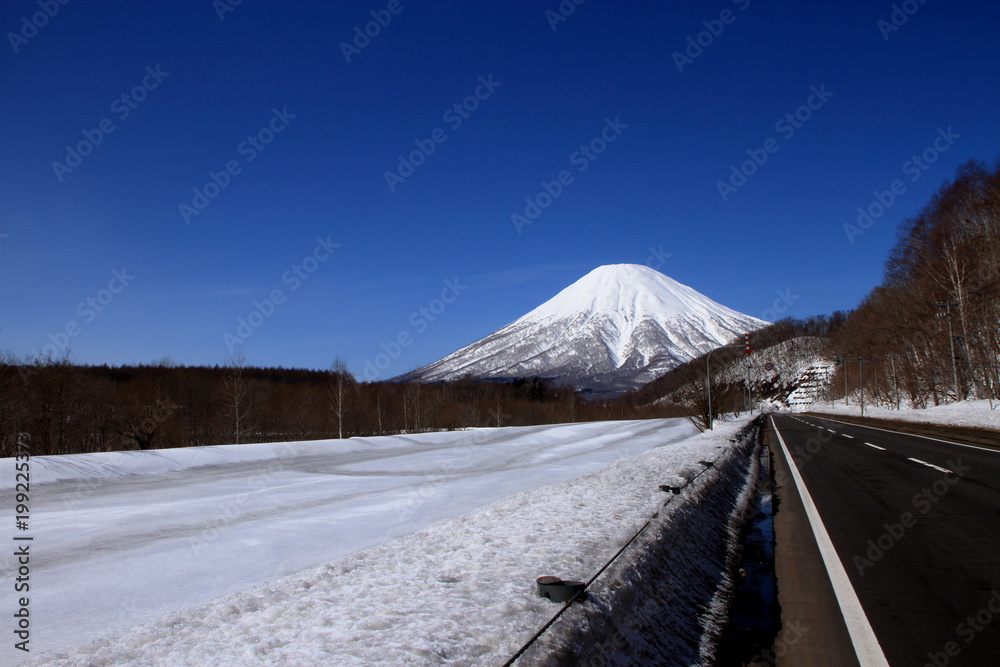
pixel 769 366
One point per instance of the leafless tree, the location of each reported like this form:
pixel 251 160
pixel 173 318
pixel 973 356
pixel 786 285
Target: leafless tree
pixel 238 397
pixel 338 385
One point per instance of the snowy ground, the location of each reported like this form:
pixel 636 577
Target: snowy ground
pixel 122 539
pixel 974 414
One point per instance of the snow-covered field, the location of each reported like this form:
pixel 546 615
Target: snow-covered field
pixel 177 556
pixel 974 414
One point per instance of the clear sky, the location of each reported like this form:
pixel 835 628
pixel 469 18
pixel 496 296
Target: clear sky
pixel 168 168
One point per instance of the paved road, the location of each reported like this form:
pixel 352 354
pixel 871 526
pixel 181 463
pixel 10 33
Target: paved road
pixel 916 525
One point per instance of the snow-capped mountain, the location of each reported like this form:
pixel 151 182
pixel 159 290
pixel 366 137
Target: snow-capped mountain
pixel 616 328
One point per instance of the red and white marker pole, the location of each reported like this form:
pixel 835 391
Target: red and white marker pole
pixel 746 341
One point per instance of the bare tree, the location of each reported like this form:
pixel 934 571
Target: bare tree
pixel 339 383
pixel 238 396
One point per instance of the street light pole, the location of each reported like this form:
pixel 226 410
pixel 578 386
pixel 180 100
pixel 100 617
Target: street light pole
pixel 708 382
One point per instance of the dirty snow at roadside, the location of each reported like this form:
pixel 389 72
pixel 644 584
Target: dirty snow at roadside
pixel 458 591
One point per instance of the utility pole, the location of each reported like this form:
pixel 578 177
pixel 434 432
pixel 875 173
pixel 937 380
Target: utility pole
pixel 708 383
pixel 951 339
pixel 895 384
pixel 861 383
pixel 847 401
pixel 861 377
pixel 746 343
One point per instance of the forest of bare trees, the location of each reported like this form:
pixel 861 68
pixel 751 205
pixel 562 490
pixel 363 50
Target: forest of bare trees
pixel 65 408
pixel 928 334
pixel 932 328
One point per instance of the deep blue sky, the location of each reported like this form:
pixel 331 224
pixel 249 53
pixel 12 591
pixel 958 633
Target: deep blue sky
pixel 322 176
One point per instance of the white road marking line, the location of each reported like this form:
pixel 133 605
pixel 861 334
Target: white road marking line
pixel 875 446
pixel 916 435
pixel 931 465
pixel 848 436
pixel 865 642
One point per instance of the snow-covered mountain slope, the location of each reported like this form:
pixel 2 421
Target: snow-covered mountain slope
pixel 616 328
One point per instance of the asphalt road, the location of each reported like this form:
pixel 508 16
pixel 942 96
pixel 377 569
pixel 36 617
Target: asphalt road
pixel 915 523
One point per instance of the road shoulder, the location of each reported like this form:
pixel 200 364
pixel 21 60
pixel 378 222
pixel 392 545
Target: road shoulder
pixel 813 629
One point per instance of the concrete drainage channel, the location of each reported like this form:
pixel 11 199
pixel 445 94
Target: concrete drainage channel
pixel 664 598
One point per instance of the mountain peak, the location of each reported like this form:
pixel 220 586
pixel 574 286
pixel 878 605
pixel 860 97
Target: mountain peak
pixel 629 289
pixel 616 328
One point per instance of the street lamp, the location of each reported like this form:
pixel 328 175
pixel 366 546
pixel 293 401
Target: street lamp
pixel 708 382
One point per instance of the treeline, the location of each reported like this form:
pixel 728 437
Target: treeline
pixel 932 327
pixel 66 408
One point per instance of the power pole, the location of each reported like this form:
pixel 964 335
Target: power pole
pixel 708 382
pixel 895 384
pixel 951 340
pixel 746 343
pixel 861 377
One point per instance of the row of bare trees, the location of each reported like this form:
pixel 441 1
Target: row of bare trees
pixel 65 408
pixel 932 328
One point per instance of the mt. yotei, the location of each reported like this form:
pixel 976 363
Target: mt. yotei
pixel 615 329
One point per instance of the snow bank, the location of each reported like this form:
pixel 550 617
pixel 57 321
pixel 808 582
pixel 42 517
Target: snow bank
pixel 665 601
pixel 105 465
pixel 119 544
pixel 460 591
pixel 972 414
